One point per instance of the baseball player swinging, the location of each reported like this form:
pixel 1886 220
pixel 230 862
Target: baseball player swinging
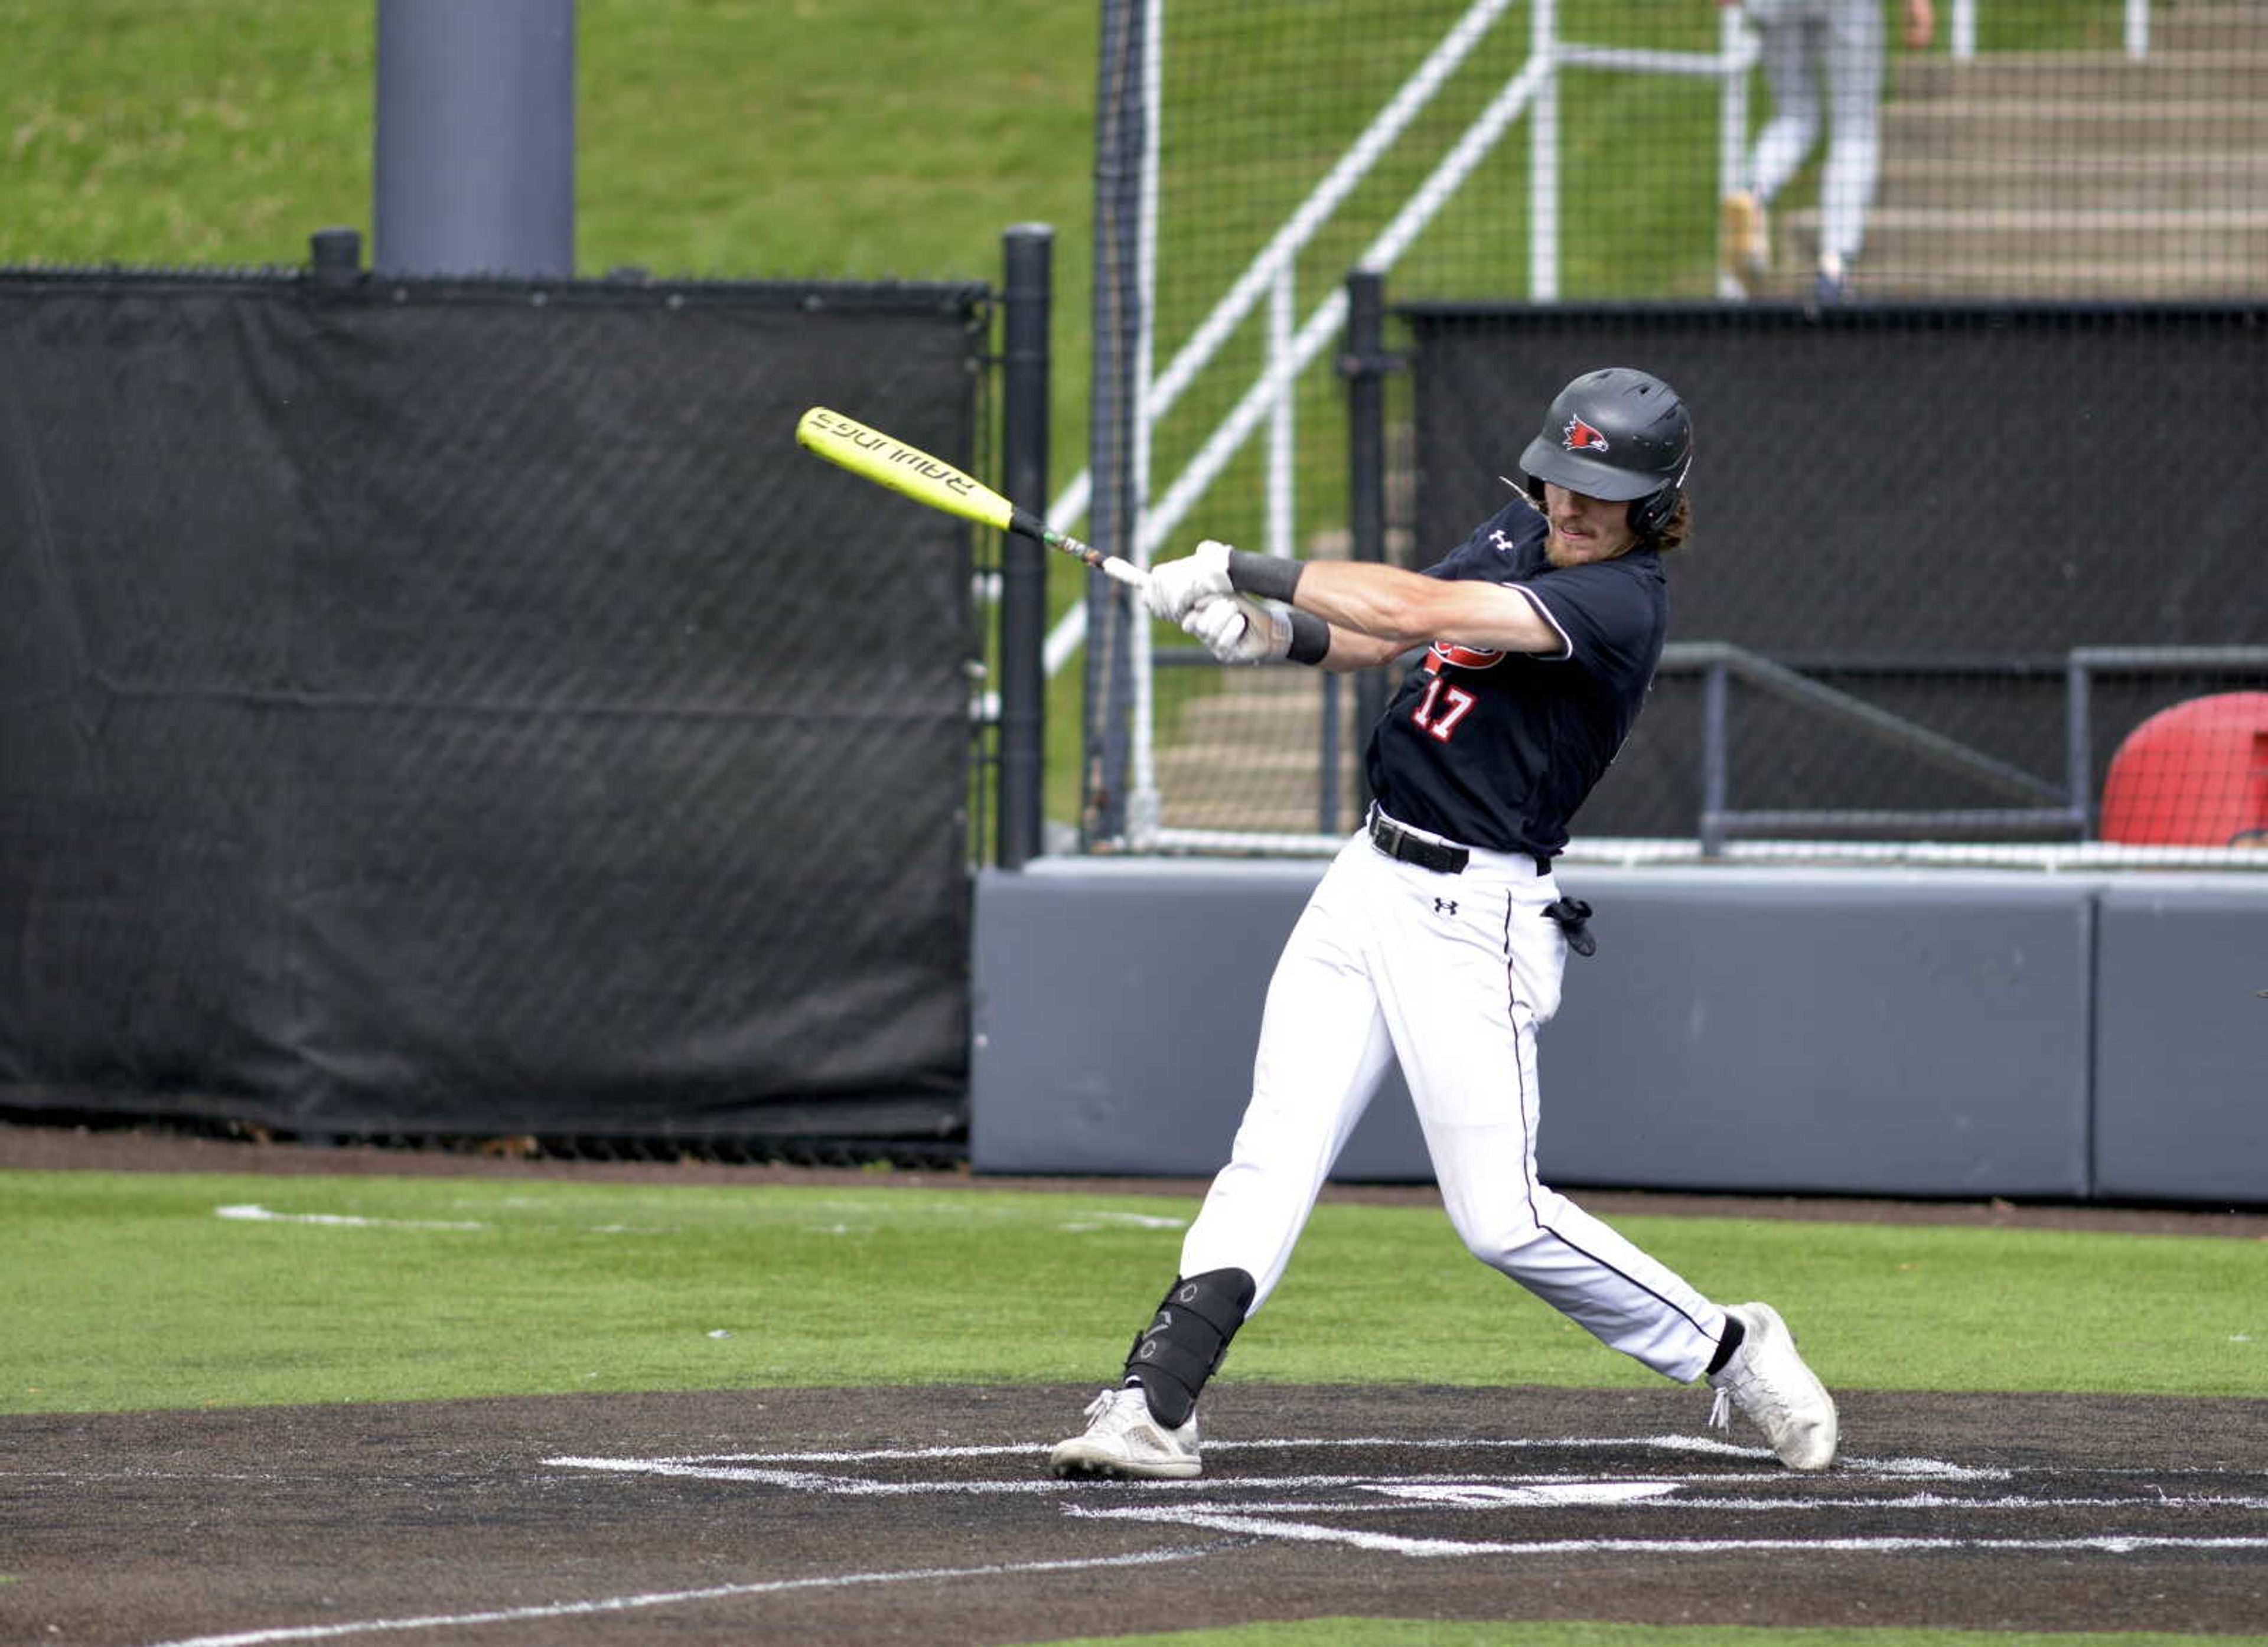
pixel 1437 935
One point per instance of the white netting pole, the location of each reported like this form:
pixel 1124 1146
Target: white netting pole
pixel 1142 800
pixel 1543 157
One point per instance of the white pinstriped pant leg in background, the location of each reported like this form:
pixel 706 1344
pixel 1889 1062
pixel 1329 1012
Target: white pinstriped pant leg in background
pixel 1810 47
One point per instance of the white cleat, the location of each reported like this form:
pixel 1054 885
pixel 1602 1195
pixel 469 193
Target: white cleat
pixel 1767 1380
pixel 1123 1440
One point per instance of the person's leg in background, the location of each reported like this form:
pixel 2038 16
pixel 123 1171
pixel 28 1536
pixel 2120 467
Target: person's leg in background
pixel 1852 53
pixel 1792 38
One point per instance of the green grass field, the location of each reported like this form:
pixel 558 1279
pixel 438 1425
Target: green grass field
pixel 147 1292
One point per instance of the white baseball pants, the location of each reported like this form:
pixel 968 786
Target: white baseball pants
pixel 1453 974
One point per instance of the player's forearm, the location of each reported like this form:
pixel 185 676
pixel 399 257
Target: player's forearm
pixel 1351 650
pixel 1358 600
pixel 1393 609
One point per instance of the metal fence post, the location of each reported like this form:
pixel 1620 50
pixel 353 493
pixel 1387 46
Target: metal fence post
pixel 1027 255
pixel 2078 742
pixel 1716 758
pixel 1365 366
pixel 1115 437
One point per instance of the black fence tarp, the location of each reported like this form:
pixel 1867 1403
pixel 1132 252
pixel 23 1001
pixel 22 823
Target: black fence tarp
pixel 1925 507
pixel 462 708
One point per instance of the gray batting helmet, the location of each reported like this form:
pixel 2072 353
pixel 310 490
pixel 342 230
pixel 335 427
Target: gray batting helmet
pixel 1618 433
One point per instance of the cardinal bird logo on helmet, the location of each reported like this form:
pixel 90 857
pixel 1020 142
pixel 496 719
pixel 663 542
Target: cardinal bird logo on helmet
pixel 1580 437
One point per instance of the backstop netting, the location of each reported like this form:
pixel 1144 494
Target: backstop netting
pixel 1938 603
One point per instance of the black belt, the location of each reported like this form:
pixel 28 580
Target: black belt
pixel 1395 841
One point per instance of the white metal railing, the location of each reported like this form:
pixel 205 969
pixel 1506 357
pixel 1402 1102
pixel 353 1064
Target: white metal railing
pixel 1271 270
pixel 1290 346
pixel 1289 351
pixel 1269 275
pixel 1963 41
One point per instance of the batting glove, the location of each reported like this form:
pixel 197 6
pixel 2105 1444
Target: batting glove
pixel 1177 585
pixel 1238 629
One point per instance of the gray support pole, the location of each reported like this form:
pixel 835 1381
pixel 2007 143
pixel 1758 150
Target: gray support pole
pixel 1366 366
pixel 1121 138
pixel 474 157
pixel 1027 254
pixel 1716 756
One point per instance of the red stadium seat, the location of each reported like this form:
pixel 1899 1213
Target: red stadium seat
pixel 2194 775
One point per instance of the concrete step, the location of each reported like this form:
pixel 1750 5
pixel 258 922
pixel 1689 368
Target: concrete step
pixel 2126 280
pixel 2220 26
pixel 1246 757
pixel 1251 699
pixel 1976 126
pixel 2209 248
pixel 2229 179
pixel 1251 756
pixel 2164 76
pixel 1246 817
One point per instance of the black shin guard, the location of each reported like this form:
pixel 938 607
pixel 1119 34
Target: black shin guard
pixel 1184 1342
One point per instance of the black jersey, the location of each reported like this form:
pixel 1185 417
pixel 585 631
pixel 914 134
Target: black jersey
pixel 1497 750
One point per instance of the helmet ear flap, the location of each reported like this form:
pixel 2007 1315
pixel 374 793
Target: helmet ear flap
pixel 1649 515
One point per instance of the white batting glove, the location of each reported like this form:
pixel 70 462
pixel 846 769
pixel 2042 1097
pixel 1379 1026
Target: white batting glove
pixel 1177 585
pixel 1238 629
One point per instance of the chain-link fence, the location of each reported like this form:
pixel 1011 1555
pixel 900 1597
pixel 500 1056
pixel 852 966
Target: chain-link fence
pixel 1966 321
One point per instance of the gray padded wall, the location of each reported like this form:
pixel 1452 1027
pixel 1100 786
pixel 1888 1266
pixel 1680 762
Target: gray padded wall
pixel 1115 1006
pixel 1856 1032
pixel 1853 1032
pixel 2181 1041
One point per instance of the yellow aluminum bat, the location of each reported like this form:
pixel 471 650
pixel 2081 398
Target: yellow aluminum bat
pixel 889 461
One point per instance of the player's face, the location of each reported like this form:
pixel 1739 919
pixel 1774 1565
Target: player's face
pixel 1585 529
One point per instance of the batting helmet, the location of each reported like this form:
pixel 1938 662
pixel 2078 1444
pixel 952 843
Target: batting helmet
pixel 1616 433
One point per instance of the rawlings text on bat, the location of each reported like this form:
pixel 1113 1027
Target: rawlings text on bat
pixel 890 462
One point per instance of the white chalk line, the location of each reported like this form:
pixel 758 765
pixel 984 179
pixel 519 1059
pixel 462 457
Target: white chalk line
pixel 767 1467
pixel 674 1597
pixel 866 1487
pixel 1464 1490
pixel 1935 1469
pixel 1466 1493
pixel 1512 1488
pixel 250 1212
pixel 1297 1532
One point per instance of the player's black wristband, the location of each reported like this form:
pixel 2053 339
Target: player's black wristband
pixel 1311 638
pixel 1270 576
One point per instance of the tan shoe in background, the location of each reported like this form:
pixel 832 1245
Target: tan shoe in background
pixel 1748 234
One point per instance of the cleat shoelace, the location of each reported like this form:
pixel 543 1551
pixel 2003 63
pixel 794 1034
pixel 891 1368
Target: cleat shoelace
pixel 1761 1401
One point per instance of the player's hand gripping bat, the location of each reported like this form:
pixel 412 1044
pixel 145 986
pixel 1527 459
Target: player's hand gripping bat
pixel 890 462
